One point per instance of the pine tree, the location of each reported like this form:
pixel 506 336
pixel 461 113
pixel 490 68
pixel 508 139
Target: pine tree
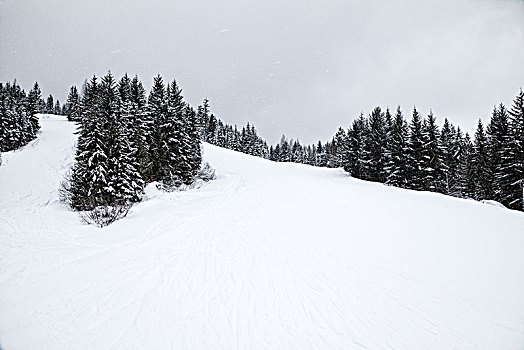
pixel 89 174
pixel 449 146
pixel 203 119
pixel 355 164
pixel 58 108
pixel 465 171
pixel 50 104
pixel 72 105
pixel 432 172
pixel 124 180
pixel 33 101
pixel 498 137
pixel 157 110
pixel 415 153
pixel 342 149
pixel 142 128
pixel 513 156
pixel 376 146
pixel 482 177
pixel 180 143
pixel 397 166
pixel 195 152
pixel 320 159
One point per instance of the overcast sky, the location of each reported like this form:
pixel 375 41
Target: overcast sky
pixel 297 67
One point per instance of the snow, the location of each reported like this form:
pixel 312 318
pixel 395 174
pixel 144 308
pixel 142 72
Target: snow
pixel 267 256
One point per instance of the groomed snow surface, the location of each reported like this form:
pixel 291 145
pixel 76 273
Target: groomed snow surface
pixel 268 256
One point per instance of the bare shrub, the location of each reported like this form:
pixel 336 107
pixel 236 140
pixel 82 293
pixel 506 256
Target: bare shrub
pixel 64 190
pixel 206 173
pixel 104 215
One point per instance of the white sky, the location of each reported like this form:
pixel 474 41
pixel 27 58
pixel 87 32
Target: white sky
pixel 302 68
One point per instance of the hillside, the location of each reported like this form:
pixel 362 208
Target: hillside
pixel 269 255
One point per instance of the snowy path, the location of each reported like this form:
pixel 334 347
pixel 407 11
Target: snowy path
pixel 269 256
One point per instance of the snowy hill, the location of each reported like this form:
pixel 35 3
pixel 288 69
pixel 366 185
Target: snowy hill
pixel 268 256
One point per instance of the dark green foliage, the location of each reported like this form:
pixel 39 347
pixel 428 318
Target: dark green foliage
pixel 481 175
pixel 432 169
pixel 72 106
pixel 450 151
pixel 375 146
pixel 512 169
pixel 124 141
pixel 397 166
pixel 415 153
pixel 18 120
pixel 498 134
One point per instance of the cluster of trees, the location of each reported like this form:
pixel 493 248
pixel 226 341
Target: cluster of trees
pixel 126 140
pixel 18 120
pixel 51 106
pixel 216 132
pixel 419 155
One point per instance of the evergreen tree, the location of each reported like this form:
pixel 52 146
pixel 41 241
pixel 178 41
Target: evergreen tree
pixel 124 181
pixel 415 153
pixel 432 172
pixel 33 100
pixel 397 166
pixel 512 171
pixel 320 155
pixel 498 138
pixel 466 185
pixel 72 105
pixel 159 150
pixel 481 177
pixel 450 151
pixel 142 124
pixel 376 146
pixel 192 134
pixel 90 173
pixel 342 149
pixel 355 163
pixel 203 119
pixel 50 104
pixel 58 108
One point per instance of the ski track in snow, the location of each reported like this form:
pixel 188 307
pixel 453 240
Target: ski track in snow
pixel 268 256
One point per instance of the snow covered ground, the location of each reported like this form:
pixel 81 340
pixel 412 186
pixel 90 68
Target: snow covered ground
pixel 268 256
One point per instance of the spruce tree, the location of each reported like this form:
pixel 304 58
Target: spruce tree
pixel 355 164
pixel 465 171
pixel 482 177
pixel 89 174
pixel 498 137
pixel 142 128
pixel 33 101
pixel 157 110
pixel 415 153
pixel 449 146
pixel 513 156
pixel 397 166
pixel 375 146
pixel 432 172
pixel 72 106
pixel 50 104
pixel 192 134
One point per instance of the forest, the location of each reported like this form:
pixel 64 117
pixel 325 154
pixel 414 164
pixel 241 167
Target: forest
pixel 126 140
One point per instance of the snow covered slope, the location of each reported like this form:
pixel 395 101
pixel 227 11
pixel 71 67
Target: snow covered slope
pixel 268 256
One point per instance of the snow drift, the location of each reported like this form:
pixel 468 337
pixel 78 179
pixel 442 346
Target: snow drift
pixel 267 256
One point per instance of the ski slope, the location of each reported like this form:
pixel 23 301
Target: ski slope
pixel 268 256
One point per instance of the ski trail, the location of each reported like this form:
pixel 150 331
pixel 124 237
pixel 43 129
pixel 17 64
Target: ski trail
pixel 266 256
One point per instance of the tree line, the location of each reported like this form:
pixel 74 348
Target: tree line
pixel 127 140
pixel 419 155
pixel 19 123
